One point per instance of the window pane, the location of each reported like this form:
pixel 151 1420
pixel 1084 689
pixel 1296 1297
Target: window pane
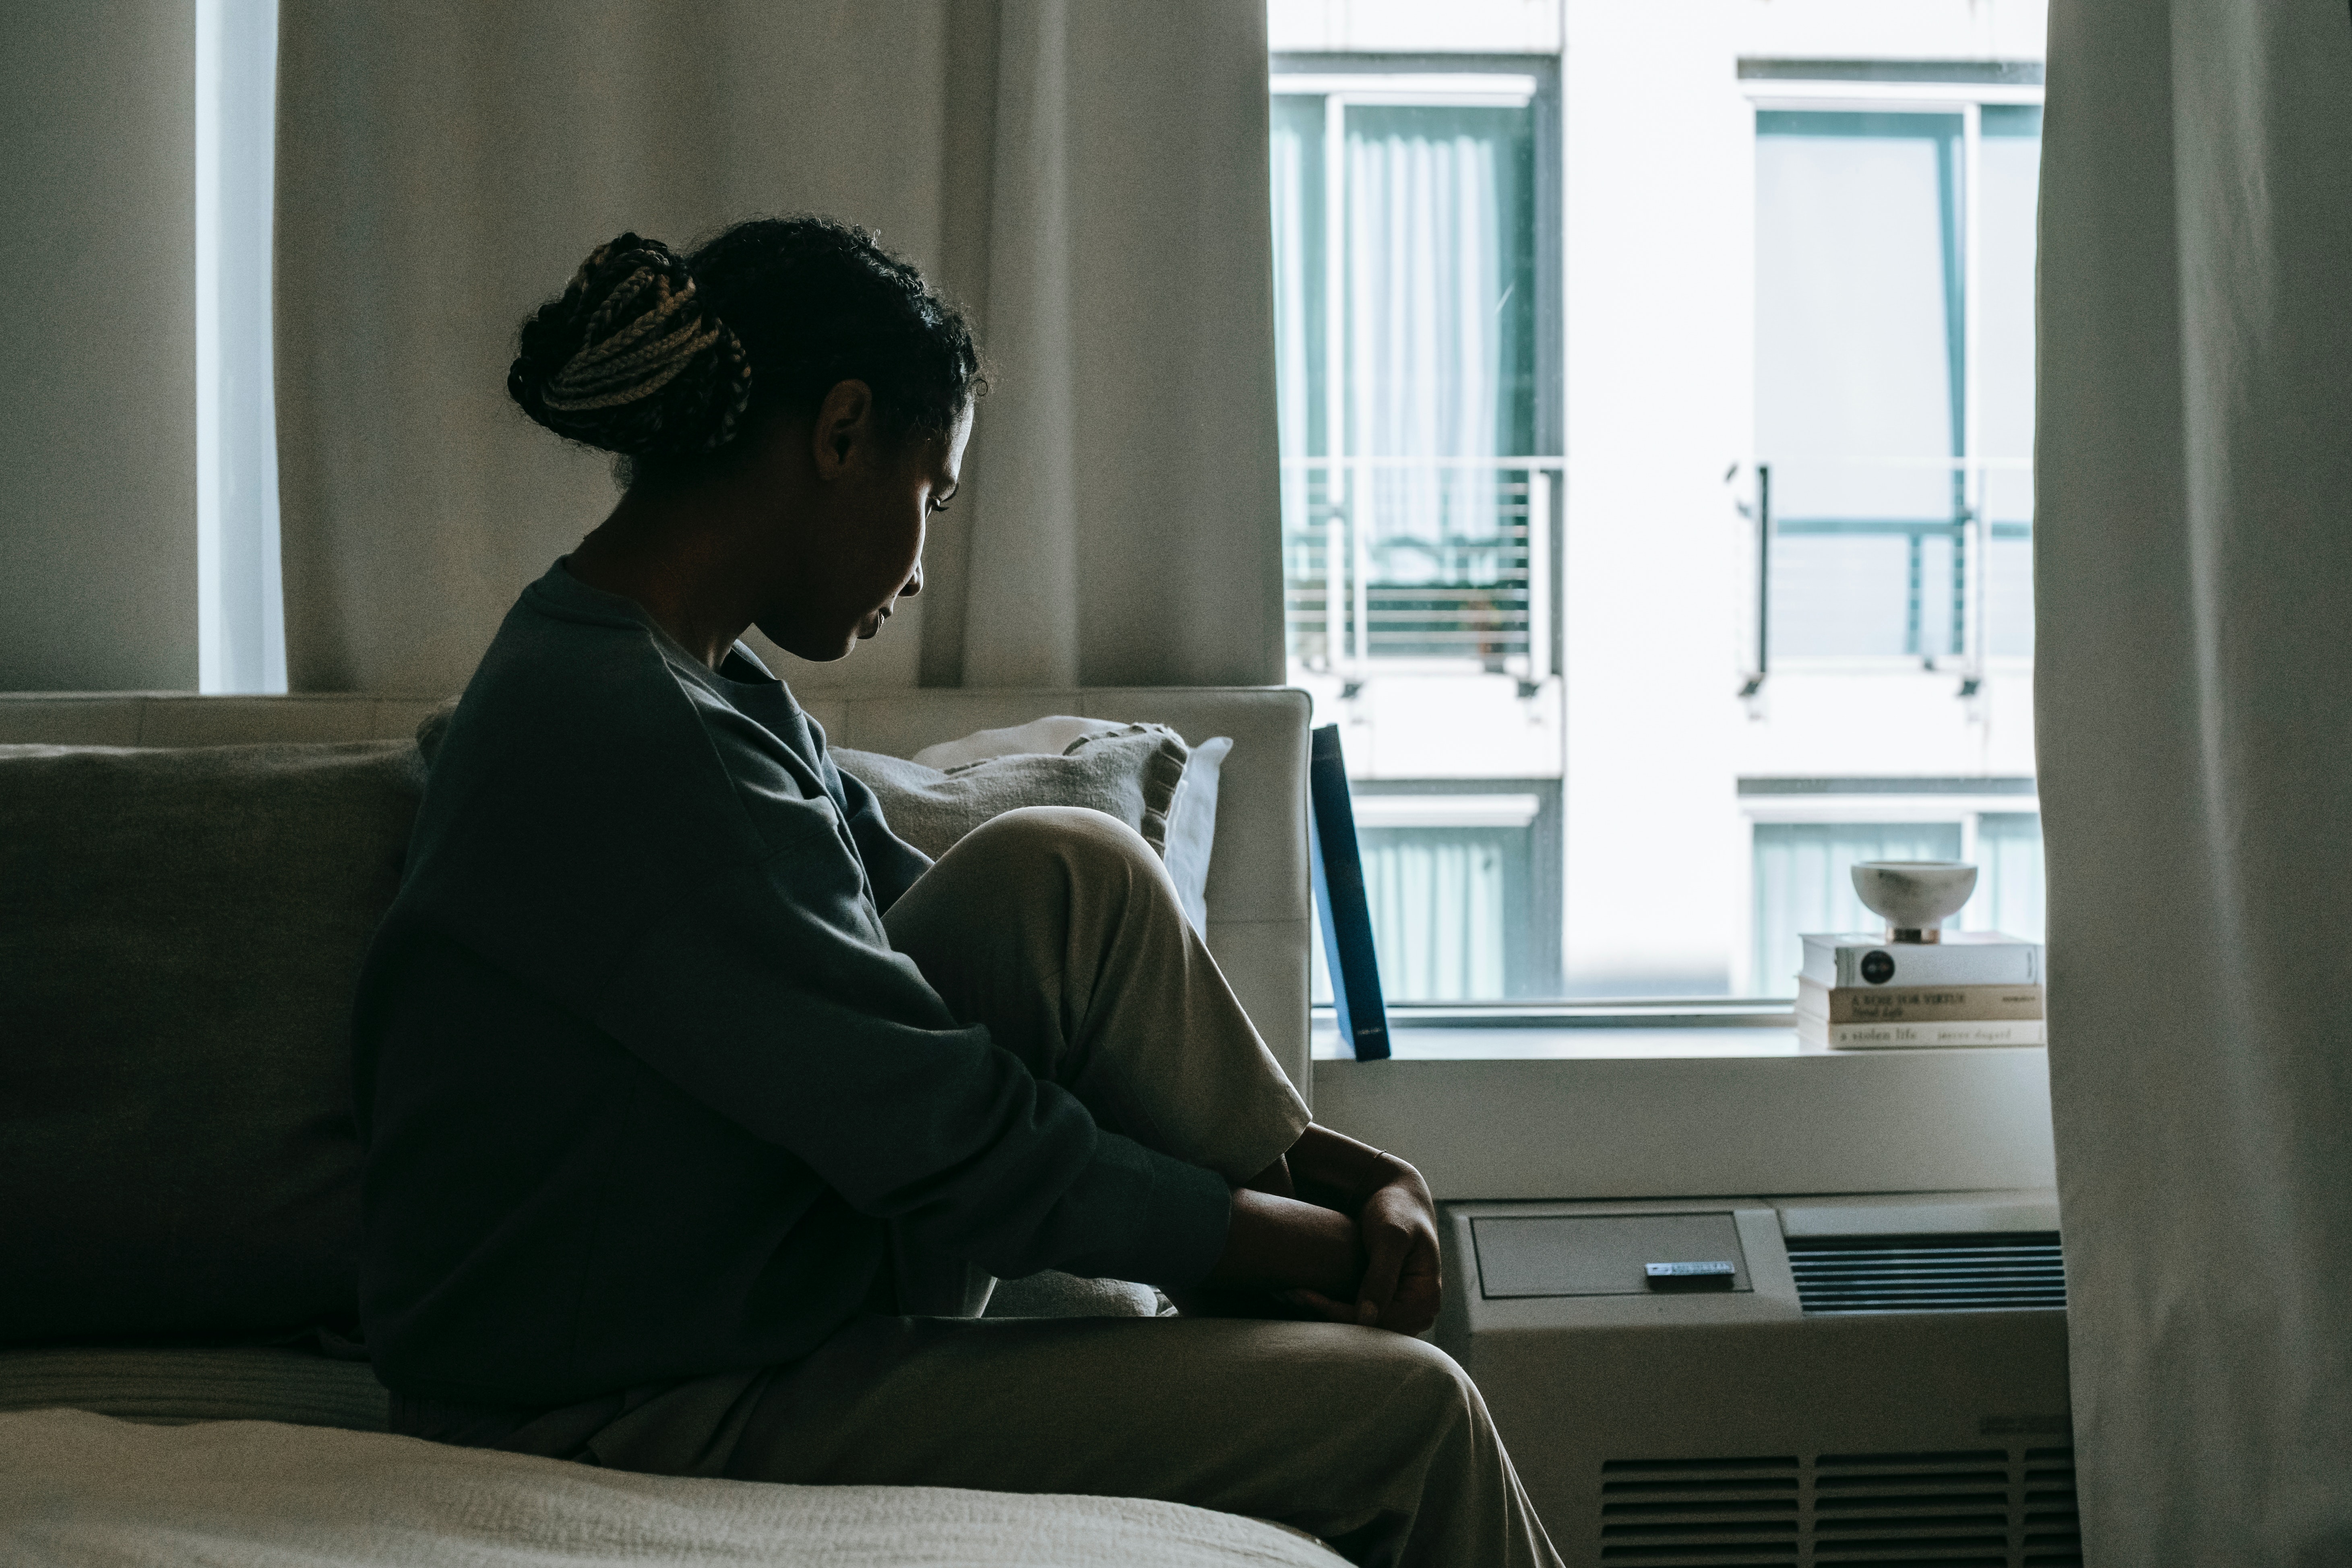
pixel 1438 899
pixel 1858 398
pixel 1301 257
pixel 2011 160
pixel 2009 889
pixel 1440 253
pixel 1299 269
pixel 1804 883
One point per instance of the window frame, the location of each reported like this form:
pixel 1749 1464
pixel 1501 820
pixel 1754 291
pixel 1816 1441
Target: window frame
pixel 1385 78
pixel 1974 87
pixel 1769 91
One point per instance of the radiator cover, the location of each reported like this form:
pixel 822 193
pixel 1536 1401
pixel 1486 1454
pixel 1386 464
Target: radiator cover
pixel 1920 1420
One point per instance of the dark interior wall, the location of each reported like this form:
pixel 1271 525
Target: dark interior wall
pixel 98 417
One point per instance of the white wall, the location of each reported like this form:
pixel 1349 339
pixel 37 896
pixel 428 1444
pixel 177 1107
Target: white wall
pixel 97 421
pixel 1659 218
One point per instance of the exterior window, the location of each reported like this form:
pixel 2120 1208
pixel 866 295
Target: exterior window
pixel 1656 410
pixel 1417 533
pixel 1895 379
pixel 2009 858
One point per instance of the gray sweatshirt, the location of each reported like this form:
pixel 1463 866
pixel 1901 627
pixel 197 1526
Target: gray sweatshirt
pixel 642 1081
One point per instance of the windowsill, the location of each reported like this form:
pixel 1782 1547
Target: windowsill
pixel 1536 1043
pixel 1540 1112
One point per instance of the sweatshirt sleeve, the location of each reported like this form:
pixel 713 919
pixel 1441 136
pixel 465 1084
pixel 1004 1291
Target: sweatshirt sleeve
pixel 891 862
pixel 772 996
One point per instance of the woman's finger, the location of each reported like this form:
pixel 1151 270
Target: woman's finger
pixel 1387 1248
pixel 1420 1290
pixel 1322 1306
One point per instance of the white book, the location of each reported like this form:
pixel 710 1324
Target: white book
pixel 1919 1004
pixel 1813 1030
pixel 1961 958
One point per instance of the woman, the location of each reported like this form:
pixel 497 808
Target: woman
pixel 700 1109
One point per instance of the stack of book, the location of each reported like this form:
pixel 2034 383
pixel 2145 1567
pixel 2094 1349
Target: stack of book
pixel 1972 988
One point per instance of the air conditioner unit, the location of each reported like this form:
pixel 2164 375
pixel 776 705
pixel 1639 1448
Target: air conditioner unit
pixel 1862 1382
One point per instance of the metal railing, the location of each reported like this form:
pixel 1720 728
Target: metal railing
pixel 1946 624
pixel 1444 559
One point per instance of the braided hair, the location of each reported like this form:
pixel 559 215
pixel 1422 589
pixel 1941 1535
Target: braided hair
pixel 664 360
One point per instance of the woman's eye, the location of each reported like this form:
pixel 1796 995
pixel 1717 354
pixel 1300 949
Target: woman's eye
pixel 937 505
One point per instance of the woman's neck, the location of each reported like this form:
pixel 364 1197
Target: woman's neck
pixel 658 550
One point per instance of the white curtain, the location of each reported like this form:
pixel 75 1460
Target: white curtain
pixel 2194 694
pixel 97 417
pixel 1090 180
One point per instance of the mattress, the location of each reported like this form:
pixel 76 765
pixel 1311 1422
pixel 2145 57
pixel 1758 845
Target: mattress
pixel 79 1490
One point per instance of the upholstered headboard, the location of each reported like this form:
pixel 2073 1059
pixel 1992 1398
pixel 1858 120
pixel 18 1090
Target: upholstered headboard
pixel 1259 897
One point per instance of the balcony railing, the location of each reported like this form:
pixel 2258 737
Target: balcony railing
pixel 1927 558
pixel 1421 559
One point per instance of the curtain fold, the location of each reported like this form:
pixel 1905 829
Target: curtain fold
pixel 1125 490
pixel 2194 694
pixel 1091 181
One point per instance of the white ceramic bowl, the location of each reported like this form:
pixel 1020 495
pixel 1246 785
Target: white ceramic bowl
pixel 1914 894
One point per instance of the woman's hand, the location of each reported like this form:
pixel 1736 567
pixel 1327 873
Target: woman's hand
pixel 1362 1249
pixel 1397 1228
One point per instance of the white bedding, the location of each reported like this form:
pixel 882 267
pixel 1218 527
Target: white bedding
pixel 82 1491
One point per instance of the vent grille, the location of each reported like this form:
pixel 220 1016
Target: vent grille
pixel 1999 1271
pixel 1666 1513
pixel 1875 1511
pixel 2054 1536
pixel 1987 1508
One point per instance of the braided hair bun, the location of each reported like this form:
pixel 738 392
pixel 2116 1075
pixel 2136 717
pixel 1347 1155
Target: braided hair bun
pixel 630 359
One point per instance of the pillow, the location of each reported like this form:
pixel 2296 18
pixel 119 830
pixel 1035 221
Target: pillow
pixel 181 933
pixel 1053 1294
pixel 1192 821
pixel 1131 772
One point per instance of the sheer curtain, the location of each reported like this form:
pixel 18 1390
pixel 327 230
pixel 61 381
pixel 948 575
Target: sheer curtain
pixel 1437 903
pixel 1090 179
pixel 2194 701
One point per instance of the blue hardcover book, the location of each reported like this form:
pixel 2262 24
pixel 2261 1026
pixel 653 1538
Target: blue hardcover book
pixel 1339 902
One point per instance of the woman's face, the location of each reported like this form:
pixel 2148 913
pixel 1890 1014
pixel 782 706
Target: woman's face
pixel 853 543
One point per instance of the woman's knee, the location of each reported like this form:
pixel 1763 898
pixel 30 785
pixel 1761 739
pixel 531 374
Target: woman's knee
pixel 1388 1378
pixel 1431 1381
pixel 1077 834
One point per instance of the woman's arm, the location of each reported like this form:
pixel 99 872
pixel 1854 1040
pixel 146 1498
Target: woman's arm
pixel 1278 1244
pixel 1363 1250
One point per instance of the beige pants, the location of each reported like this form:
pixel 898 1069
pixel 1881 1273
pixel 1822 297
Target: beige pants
pixel 1060 930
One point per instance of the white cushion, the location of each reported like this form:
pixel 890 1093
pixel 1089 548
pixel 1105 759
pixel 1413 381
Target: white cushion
pixel 1192 821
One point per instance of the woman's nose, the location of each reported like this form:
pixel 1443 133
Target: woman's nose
pixel 914 584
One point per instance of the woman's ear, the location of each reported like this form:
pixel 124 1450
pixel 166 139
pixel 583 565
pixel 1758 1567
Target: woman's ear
pixel 845 423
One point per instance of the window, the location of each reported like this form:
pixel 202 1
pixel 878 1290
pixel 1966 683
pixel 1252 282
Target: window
pixel 1657 415
pixel 1895 379
pixel 1418 510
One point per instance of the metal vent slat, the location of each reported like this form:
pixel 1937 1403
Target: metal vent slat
pixel 1700 1513
pixel 2002 1271
pixel 1978 1508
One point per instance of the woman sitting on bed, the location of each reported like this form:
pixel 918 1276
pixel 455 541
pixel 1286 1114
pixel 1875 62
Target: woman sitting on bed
pixel 700 1109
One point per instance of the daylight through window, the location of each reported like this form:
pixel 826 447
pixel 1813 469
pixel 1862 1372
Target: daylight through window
pixel 1656 416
